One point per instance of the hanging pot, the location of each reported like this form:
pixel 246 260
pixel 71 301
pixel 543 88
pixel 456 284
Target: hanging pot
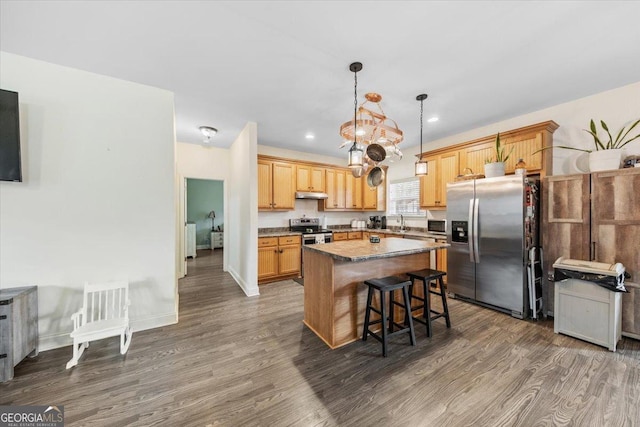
pixel 358 172
pixel 376 152
pixel 375 177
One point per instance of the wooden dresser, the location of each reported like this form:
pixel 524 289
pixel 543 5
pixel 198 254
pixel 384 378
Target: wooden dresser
pixel 18 327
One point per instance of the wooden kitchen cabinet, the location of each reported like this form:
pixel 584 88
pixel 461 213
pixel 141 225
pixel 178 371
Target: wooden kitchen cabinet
pixel 336 189
pixel 373 198
pixel 443 169
pixel 353 191
pixel 355 235
pixel 310 178
pixel 340 235
pixel 594 217
pixel 276 189
pixel 278 258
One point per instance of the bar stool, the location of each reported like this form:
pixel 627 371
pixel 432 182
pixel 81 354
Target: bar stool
pixel 427 276
pixel 383 285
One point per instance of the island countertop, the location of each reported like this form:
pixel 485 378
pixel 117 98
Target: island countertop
pixel 363 250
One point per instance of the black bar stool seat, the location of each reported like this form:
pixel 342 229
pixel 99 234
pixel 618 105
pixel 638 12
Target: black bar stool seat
pixel 388 285
pixel 429 277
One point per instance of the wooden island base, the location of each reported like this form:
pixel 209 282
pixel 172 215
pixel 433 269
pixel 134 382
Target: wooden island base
pixel 335 296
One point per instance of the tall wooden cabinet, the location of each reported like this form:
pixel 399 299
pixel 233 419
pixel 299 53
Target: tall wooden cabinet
pixel 595 217
pixel 276 185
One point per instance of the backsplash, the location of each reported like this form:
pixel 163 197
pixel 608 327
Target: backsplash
pixel 309 208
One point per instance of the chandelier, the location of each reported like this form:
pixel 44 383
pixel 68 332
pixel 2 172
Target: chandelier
pixel 374 136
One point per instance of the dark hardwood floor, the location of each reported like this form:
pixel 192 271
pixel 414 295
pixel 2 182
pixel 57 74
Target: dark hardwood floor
pixel 238 361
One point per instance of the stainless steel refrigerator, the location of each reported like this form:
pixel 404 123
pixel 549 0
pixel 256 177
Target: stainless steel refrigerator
pixel 492 225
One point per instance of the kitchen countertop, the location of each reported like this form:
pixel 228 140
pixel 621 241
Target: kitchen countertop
pixel 363 250
pixel 414 234
pixel 417 234
pixel 278 233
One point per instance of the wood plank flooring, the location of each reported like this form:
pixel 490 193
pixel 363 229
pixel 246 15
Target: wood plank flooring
pixel 238 361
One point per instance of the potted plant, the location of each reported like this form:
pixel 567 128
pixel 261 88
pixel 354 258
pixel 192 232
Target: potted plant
pixel 607 154
pixel 494 166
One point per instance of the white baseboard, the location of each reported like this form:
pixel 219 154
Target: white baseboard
pixel 243 285
pixel 51 342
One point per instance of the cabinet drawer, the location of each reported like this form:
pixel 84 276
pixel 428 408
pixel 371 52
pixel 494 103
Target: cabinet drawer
pixel 340 236
pixel 267 241
pixel 289 240
pixel 355 235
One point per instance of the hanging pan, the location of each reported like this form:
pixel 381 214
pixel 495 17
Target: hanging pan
pixel 376 152
pixel 375 177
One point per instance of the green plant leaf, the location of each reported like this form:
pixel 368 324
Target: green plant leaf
pixel 561 146
pixel 596 140
pixel 604 126
pixel 632 139
pixel 627 133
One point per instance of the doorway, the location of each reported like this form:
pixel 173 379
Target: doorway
pixel 203 211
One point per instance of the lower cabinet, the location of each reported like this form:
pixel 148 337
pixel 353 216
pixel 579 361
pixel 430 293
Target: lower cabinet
pixel 340 235
pixel 278 258
pixel 441 259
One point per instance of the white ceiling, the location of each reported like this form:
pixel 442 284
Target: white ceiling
pixel 284 64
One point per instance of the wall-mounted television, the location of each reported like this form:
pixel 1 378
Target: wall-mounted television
pixel 10 166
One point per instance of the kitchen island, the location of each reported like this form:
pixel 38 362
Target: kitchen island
pixel 335 295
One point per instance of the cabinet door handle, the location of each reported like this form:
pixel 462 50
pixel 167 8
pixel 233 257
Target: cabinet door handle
pixel 593 251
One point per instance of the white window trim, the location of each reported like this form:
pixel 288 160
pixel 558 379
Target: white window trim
pixel 422 212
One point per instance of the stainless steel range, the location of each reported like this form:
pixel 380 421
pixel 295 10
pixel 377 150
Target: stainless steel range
pixel 311 231
pixel 312 234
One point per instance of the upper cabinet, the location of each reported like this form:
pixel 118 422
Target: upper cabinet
pixel 445 164
pixel 279 179
pixel 336 189
pixel 310 178
pixel 276 188
pixel 433 187
pixel 353 193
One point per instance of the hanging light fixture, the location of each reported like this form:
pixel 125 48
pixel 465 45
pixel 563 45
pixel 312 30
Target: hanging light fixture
pixel 422 168
pixel 369 127
pixel 356 153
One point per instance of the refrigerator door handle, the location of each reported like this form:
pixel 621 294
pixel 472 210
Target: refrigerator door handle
pixel 470 231
pixel 476 227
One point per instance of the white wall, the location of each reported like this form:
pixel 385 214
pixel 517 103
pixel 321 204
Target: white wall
pixel 617 107
pixel 242 224
pixel 97 201
pixel 202 162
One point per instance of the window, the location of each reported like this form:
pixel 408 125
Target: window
pixel 404 197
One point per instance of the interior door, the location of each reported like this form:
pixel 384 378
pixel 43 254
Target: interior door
pixel 500 270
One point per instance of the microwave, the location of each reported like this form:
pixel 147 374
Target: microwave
pixel 437 226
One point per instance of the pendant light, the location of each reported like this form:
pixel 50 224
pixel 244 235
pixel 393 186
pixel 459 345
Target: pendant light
pixel 356 153
pixel 422 168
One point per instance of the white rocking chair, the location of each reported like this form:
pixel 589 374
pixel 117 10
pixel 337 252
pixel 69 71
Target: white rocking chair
pixel 104 314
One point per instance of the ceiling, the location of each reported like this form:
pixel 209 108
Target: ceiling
pixel 285 64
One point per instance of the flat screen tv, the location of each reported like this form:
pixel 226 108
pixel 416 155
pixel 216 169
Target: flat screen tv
pixel 10 167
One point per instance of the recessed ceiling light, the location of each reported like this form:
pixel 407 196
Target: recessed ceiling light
pixel 309 135
pixel 433 119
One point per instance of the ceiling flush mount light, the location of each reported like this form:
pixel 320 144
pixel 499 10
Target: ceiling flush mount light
pixel 421 165
pixel 309 135
pixel 433 120
pixel 368 128
pixel 208 132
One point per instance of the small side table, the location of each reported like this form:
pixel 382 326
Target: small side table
pixel 217 239
pixel 18 327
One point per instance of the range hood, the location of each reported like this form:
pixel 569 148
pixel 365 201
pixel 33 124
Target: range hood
pixel 311 195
